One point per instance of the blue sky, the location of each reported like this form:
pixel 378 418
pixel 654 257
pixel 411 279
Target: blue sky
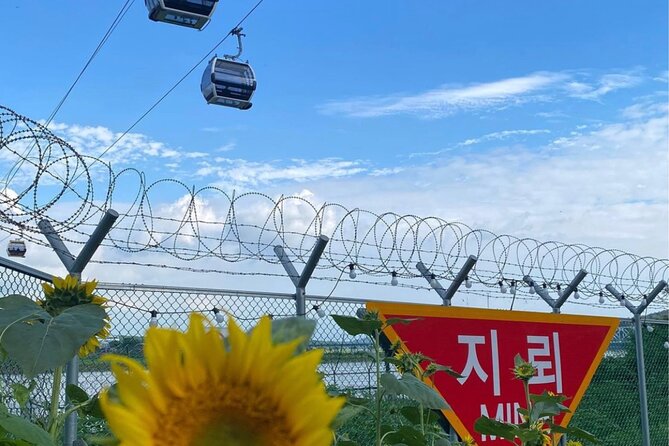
pixel 540 119
pixel 309 54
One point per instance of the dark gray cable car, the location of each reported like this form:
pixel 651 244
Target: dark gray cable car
pixel 189 13
pixel 16 248
pixel 228 81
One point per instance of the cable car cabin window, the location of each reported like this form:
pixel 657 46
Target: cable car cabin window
pixel 243 94
pixel 233 73
pixel 201 7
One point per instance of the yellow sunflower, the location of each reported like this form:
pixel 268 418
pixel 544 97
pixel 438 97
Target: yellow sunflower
pixel 544 433
pixel 198 392
pixel 69 292
pixel 468 441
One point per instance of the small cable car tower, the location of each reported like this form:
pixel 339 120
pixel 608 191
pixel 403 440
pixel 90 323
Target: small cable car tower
pixel 228 81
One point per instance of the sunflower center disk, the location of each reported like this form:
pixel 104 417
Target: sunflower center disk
pixel 223 415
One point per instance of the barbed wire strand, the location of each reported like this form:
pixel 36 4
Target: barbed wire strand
pixel 209 222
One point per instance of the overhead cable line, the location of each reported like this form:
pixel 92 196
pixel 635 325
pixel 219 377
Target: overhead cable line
pixel 117 20
pixel 178 82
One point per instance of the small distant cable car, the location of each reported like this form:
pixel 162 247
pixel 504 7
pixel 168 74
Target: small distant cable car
pixel 16 248
pixel 228 81
pixel 189 13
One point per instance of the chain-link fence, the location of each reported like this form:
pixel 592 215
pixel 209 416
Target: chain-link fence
pixel 610 408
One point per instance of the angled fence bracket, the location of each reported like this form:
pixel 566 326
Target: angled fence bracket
pixel 556 305
pixel 447 294
pixel 301 280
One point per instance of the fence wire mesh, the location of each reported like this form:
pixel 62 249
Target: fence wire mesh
pixel 609 409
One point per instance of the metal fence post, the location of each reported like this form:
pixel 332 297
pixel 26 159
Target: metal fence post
pixel 641 374
pixel 446 295
pixel 74 267
pixel 638 338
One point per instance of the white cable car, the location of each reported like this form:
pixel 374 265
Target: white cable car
pixel 229 82
pixel 16 248
pixel 189 13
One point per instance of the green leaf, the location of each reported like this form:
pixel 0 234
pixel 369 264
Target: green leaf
pixel 45 343
pixel 412 414
pixel 288 329
pixel 446 369
pixel 76 394
pixel 406 435
pixel 547 405
pixel 345 414
pixel 16 309
pixel 414 388
pixel 527 435
pixel 94 409
pixel 21 393
pixel 398 320
pixel 355 326
pixel 545 396
pixel 574 432
pixel 25 430
pixel 488 426
pixel 346 443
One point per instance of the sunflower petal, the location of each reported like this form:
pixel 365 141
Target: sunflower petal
pixel 196 387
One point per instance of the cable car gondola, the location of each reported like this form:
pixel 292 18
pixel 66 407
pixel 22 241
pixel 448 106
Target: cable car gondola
pixel 229 82
pixel 189 13
pixel 16 248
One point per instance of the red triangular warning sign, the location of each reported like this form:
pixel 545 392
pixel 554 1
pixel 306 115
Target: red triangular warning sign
pixel 481 345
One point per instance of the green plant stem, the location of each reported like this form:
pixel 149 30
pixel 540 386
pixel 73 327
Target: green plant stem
pixel 55 397
pixel 526 385
pixel 422 422
pixel 377 344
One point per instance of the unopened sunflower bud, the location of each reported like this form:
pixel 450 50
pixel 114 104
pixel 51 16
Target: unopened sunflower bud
pixel 524 370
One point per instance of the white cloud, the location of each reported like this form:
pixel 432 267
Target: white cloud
pixel 386 171
pixel 447 100
pixel 133 148
pixel 227 147
pixel 606 84
pixel 494 95
pixel 494 136
pixel 648 107
pixel 504 134
pixel 662 77
pixel 555 114
pixel 243 174
pixel 604 186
